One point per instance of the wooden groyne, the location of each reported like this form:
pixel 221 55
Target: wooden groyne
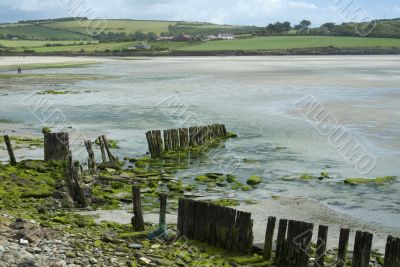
pixel 293 246
pixel 230 229
pixel 215 225
pixel 183 138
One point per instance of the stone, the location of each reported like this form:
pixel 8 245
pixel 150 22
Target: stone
pixel 254 180
pixel 23 241
pixel 59 263
pixel 70 254
pixel 145 260
pixel 135 246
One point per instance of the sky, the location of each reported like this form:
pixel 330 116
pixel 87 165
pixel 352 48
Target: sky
pixel 235 12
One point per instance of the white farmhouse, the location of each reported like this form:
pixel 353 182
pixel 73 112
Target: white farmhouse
pixel 226 36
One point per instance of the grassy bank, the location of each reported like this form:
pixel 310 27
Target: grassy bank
pixel 293 42
pixel 250 46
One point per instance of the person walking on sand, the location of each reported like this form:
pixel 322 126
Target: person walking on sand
pixel 19 70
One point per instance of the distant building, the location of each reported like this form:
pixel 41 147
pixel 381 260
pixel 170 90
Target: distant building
pixel 226 36
pixel 211 37
pixel 141 45
pixel 165 38
pixel 182 37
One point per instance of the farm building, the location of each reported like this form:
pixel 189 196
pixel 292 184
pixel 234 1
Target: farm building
pixel 182 37
pixel 226 36
pixel 141 45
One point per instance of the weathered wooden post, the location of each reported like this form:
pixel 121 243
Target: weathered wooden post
pixel 163 211
pixel 13 161
pixel 321 246
pixel 183 138
pixel 343 246
pixel 56 146
pixel 362 249
pixel 299 243
pixel 280 238
pixel 75 189
pixel 137 219
pixel 167 140
pixel 269 235
pixel 107 147
pixel 392 252
pixel 102 149
pixel 92 159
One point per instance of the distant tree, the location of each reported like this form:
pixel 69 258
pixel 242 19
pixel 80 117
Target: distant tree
pixel 303 27
pixel 278 27
pixel 151 36
pixel 286 26
pixel 139 36
pixel 329 26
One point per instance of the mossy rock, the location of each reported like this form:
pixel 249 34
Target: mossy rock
pixel 230 178
pixel 377 181
pixel 214 176
pixel 202 179
pixel 254 180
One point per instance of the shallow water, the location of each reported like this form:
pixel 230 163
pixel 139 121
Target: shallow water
pixel 255 98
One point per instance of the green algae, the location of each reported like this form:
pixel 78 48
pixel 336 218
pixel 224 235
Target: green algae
pixel 376 181
pixel 254 180
pixel 112 143
pixel 226 202
pixel 24 142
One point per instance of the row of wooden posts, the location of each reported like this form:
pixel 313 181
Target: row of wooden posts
pixel 230 229
pixel 215 225
pixel 293 245
pixel 176 139
pixel 56 147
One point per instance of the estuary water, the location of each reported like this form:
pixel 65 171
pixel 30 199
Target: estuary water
pixel 255 97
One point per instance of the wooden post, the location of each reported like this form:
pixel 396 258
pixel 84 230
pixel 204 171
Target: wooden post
pixel 102 149
pixel 269 235
pixel 362 249
pixel 342 248
pixel 215 225
pixel 392 252
pixel 167 140
pixel 321 246
pixel 281 237
pixel 56 146
pixel 137 219
pixel 92 159
pixel 183 138
pixel 163 210
pixel 75 188
pixel 175 139
pixel 13 161
pixel 107 147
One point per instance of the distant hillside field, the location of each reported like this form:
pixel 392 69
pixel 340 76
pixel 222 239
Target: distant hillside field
pixel 42 33
pixel 292 42
pixel 126 26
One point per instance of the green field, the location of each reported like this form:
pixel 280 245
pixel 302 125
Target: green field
pixel 42 33
pixel 126 26
pixel 36 43
pixel 76 47
pixel 292 42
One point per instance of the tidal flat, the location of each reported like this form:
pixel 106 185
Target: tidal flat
pixel 256 98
